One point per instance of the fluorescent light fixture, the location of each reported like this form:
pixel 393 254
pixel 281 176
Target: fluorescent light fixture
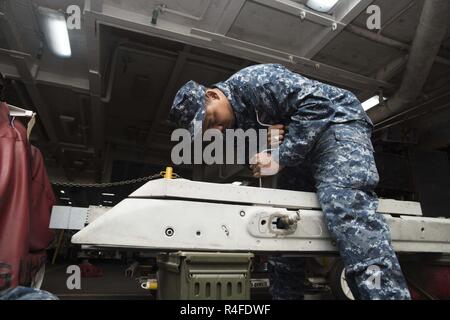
pixel 372 102
pixel 62 192
pixel 108 194
pixel 70 203
pixel 322 5
pixel 54 27
pixel 65 199
pixel 108 202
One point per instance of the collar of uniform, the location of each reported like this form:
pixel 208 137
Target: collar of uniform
pixel 235 105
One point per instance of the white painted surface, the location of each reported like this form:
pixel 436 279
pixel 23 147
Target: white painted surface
pixel 192 190
pixel 142 223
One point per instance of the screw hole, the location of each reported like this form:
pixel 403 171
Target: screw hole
pixel 263 222
pixel 198 233
pixel 169 232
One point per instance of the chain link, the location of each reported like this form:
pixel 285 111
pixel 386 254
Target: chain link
pixel 110 184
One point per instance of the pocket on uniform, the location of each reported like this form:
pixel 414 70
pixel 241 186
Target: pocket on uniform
pixel 346 160
pixel 349 134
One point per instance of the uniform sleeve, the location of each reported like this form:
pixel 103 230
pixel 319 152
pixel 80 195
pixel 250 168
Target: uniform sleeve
pixel 281 94
pixel 312 117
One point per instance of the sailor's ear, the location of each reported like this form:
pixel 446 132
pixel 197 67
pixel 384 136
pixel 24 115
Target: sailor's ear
pixel 211 94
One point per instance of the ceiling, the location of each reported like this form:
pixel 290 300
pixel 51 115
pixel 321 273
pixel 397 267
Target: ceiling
pixel 104 109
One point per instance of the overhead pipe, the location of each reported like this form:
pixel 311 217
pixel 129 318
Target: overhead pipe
pixel 430 33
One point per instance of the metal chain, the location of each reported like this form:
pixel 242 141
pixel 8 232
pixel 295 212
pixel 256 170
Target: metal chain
pixel 110 184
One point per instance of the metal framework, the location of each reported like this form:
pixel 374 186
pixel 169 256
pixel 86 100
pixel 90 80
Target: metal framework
pixel 186 215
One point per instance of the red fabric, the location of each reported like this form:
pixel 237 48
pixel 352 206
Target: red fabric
pixel 42 201
pixel 26 199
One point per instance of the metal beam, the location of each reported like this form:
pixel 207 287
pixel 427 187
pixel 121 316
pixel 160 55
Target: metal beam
pixel 229 16
pixel 7 52
pixel 335 24
pixel 95 82
pixel 345 15
pixel 118 18
pixel 303 65
pixel 301 11
pixel 163 109
pixel 24 66
pixel 153 52
pixel 48 78
pixel 9 70
pixel 43 112
pixel 62 81
pixel 9 30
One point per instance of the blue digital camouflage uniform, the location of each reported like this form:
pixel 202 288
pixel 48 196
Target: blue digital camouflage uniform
pixel 25 293
pixel 329 133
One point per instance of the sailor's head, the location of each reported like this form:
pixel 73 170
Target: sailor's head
pixel 198 109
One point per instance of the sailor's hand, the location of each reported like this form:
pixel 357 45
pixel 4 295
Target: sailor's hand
pixel 263 165
pixel 275 135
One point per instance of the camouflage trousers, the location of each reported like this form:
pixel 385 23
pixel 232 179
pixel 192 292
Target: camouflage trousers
pixel 343 170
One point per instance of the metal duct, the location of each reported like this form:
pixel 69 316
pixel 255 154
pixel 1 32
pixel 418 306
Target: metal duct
pixel 430 33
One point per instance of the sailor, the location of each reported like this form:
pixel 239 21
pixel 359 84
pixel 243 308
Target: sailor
pixel 321 129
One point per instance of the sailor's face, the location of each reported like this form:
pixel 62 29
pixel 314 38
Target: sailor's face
pixel 218 112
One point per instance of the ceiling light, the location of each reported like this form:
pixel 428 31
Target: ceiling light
pixel 54 27
pixel 372 102
pixel 108 194
pixel 322 5
pixel 62 191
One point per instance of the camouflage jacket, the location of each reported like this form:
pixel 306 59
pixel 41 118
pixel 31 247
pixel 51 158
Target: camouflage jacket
pixel 280 96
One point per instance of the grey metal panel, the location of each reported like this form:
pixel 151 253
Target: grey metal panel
pixel 275 29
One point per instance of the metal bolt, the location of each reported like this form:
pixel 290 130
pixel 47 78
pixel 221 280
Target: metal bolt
pixel 334 26
pixel 302 15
